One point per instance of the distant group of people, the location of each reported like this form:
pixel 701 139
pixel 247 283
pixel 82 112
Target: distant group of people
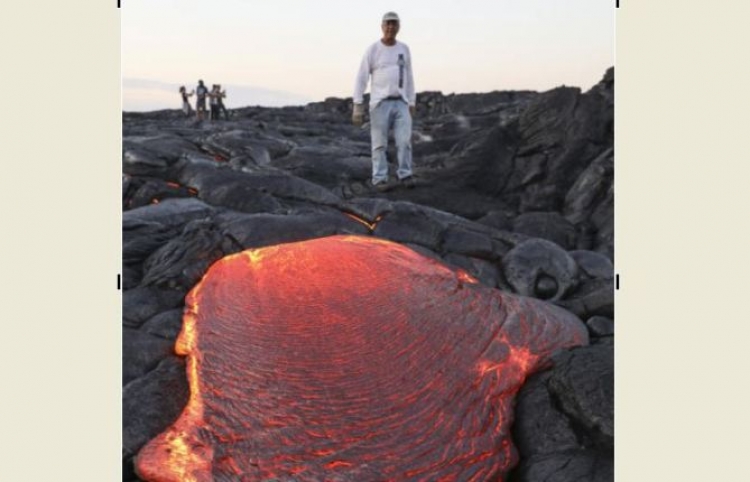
pixel 214 96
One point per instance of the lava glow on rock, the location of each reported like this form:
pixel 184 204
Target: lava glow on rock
pixel 351 359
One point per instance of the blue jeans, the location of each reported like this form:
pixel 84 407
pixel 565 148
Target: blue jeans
pixel 387 114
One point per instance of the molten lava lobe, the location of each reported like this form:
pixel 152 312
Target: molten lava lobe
pixel 351 359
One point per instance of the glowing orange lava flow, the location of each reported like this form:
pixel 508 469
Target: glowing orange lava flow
pixel 351 359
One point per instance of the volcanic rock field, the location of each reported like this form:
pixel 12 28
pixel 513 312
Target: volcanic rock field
pixel 514 198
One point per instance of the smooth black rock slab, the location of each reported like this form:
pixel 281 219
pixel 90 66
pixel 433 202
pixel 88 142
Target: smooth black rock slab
pixel 594 297
pixel 243 197
pixel 411 224
pixel 151 403
pixel 170 212
pixel 141 353
pixel 600 326
pixel 207 178
pixel 166 324
pixel 497 220
pixel 547 225
pixel 593 264
pixel 256 230
pixel 468 243
pixel 143 302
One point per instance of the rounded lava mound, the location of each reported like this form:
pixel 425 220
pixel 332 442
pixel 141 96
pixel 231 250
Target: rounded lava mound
pixel 351 358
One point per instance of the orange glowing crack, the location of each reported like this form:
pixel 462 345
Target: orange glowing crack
pixel 350 358
pixel 370 226
pixel 191 190
pixel 466 277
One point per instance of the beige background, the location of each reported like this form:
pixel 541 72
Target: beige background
pixel 681 206
pixel 60 242
pixel 682 201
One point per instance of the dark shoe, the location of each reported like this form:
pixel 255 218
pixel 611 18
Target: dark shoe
pixel 381 186
pixel 409 182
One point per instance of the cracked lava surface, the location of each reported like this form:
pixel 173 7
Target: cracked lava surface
pixel 351 358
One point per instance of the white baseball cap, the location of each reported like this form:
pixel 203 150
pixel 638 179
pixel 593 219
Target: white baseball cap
pixel 390 16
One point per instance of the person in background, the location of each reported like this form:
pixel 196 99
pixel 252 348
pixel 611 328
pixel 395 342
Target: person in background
pixel 200 103
pixel 185 102
pixel 387 64
pixel 222 107
pixel 214 96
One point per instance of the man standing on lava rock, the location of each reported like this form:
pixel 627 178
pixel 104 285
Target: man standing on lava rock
pixel 392 101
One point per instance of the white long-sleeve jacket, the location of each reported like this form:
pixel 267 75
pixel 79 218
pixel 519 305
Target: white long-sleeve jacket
pixel 391 72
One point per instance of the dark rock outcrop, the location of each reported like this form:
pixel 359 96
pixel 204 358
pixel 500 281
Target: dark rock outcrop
pixel 141 303
pixel 565 419
pixel 166 324
pixel 141 353
pixel 152 402
pixel 550 226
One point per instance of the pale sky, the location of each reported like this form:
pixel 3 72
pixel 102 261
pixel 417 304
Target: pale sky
pixel 290 52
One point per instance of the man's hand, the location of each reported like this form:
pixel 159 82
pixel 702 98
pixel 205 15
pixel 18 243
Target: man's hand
pixel 358 114
pixel 412 110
